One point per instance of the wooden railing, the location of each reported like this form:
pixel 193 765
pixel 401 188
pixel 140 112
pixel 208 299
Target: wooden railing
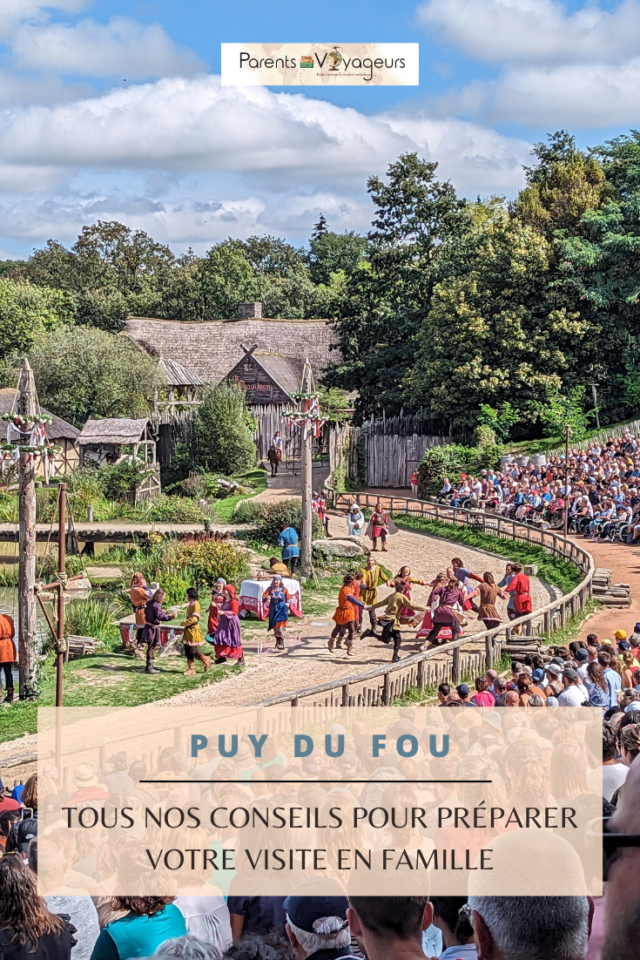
pixel 381 685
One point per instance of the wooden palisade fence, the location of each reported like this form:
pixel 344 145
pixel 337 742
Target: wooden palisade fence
pixel 381 685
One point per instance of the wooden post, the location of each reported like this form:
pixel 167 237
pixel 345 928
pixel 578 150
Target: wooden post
pixel 306 440
pixel 455 666
pixel 488 648
pixel 567 431
pixel 62 503
pixel 27 643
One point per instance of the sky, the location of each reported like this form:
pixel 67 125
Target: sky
pixel 113 110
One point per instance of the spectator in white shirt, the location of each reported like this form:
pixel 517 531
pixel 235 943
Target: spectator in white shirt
pixel 574 693
pixel 582 659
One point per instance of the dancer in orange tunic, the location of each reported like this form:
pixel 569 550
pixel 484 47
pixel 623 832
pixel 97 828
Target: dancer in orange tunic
pixel 345 616
pixel 8 654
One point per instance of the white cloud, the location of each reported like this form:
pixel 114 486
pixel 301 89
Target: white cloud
pixel 121 48
pixel 474 158
pixel 279 140
pixel 570 69
pixel 576 95
pixel 535 31
pixel 15 12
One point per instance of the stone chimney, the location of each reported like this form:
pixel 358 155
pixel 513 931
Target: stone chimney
pixel 249 311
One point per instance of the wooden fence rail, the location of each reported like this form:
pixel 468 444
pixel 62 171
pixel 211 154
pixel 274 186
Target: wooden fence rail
pixel 381 685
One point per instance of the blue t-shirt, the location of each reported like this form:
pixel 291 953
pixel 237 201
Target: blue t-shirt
pixel 288 540
pixel 138 936
pixel 614 682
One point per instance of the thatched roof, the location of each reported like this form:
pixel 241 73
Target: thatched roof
pixel 286 371
pixel 178 376
pixel 112 431
pixel 58 429
pixel 213 347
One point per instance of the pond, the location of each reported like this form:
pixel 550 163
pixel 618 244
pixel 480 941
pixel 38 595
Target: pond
pixel 9 605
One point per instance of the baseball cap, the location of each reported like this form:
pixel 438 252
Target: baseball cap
pixel 624 645
pixel 322 915
pixel 558 660
pixel 463 690
pixel 620 634
pixel 538 675
pixel 581 655
pixel 570 674
pixel 553 669
pixel 552 702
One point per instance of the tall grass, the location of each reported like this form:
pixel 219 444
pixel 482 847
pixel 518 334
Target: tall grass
pixel 93 618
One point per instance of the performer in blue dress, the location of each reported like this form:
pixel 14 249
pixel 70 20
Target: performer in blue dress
pixel 279 599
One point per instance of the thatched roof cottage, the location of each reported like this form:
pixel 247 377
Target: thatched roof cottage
pixel 212 348
pixel 264 356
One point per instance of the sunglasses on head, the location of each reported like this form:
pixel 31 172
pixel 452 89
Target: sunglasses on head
pixel 612 844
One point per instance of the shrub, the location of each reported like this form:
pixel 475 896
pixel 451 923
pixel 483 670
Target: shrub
pixel 84 487
pixel 487 449
pixel 452 459
pixel 449 460
pixel 222 440
pixel 248 511
pixel 191 562
pixel 92 618
pixel 170 509
pixel 283 513
pixel 121 479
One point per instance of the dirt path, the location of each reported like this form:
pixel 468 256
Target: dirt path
pixel 624 562
pixel 307 662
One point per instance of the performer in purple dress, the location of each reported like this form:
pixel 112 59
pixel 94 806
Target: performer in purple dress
pixel 227 641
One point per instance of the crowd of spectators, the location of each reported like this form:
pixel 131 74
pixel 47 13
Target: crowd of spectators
pixel 601 487
pixel 550 755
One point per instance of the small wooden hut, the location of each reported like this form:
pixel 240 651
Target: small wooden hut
pixel 181 395
pixel 63 434
pixel 112 440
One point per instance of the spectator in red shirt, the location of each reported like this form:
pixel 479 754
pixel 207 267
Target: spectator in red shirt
pixel 483 696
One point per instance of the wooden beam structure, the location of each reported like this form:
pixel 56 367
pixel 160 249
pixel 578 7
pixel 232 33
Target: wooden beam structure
pixel 27 637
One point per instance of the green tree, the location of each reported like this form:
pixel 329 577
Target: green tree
pixel 561 187
pixel 111 272
pixel 331 252
pixel 226 278
pixel 335 404
pixel 497 333
pixel 27 312
pixel 418 220
pixel 271 256
pixel 83 372
pixel 500 421
pixel 557 412
pixel 222 441
pixel 600 263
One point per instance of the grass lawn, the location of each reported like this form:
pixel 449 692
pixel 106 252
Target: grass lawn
pixel 106 679
pixel 550 443
pixel 257 479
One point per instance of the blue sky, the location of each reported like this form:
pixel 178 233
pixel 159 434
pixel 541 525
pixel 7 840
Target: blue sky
pixel 113 110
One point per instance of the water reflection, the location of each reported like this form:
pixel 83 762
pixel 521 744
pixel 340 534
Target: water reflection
pixel 9 605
